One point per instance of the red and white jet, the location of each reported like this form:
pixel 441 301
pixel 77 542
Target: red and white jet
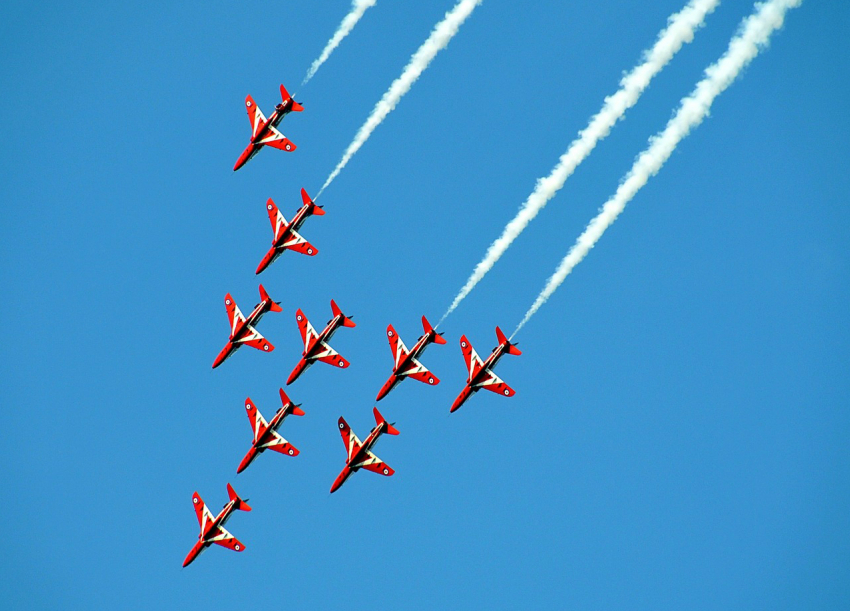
pixel 406 363
pixel 360 453
pixel 212 528
pixel 316 346
pixel 286 235
pixel 242 329
pixel 264 131
pixel 481 373
pixel 265 433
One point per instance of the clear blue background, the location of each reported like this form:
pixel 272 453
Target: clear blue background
pixel 679 434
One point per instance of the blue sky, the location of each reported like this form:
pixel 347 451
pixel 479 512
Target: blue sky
pixel 678 437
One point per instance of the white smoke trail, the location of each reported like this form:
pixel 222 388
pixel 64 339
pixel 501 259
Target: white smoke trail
pixel 753 35
pixel 680 30
pixel 358 7
pixel 439 38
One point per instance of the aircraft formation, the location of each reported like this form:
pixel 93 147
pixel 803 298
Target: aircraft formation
pixel 243 331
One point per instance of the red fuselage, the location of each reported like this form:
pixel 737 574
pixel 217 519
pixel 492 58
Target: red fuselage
pixel 368 444
pixel 242 330
pixel 285 235
pixel 206 531
pixel 280 111
pixel 405 361
pixel 314 351
pixel 474 382
pixel 264 436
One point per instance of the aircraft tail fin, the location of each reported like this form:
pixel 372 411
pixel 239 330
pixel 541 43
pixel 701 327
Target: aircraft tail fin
pixel 238 503
pixel 285 400
pixel 438 337
pixel 317 210
pixel 379 419
pixel 284 94
pixel 274 305
pixel 512 349
pixel 346 321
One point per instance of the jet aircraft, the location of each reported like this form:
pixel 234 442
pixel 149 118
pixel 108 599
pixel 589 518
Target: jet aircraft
pixel 212 528
pixel 316 346
pixel 360 454
pixel 406 361
pixel 286 235
pixel 481 373
pixel 264 131
pixel 265 433
pixel 242 329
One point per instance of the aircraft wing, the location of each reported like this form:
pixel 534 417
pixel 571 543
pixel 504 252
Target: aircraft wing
pixel 298 244
pixel 331 357
pixel 473 361
pixel 374 464
pixel 396 345
pixel 308 333
pixel 418 371
pixel 277 219
pixel 255 115
pixel 233 313
pixel 225 539
pixel 279 444
pixel 201 510
pixel 255 340
pixel 352 444
pixel 495 384
pixel 258 423
pixel 277 140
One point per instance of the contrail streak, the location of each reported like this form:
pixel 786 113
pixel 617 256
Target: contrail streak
pixel 358 7
pixel 753 35
pixel 439 38
pixel 680 30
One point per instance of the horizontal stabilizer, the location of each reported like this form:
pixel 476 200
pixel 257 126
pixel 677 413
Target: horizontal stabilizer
pixel 238 503
pixel 346 322
pixel 438 337
pixel 273 305
pixel 317 210
pixel 379 419
pixel 512 349
pixel 284 95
